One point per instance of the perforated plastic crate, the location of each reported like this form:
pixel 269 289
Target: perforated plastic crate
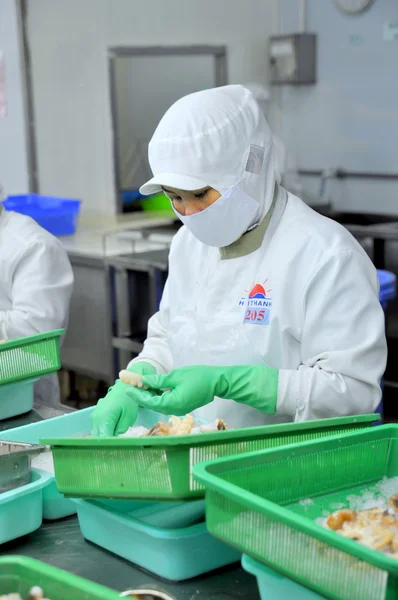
pixel 255 502
pixel 160 468
pixel 30 357
pixel 19 574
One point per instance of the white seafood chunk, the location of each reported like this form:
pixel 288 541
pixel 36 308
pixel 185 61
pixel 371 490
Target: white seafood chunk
pixel 134 379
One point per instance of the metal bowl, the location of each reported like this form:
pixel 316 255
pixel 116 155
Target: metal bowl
pixel 15 459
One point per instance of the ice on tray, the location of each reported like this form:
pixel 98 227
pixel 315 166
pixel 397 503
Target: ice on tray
pixel 376 496
pixel 44 462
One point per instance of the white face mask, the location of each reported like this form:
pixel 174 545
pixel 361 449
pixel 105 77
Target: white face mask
pixel 224 221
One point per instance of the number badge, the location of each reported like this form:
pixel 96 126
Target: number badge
pixel 257 317
pixel 258 305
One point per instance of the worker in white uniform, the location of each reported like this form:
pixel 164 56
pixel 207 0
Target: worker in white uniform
pixel 270 312
pixel 36 282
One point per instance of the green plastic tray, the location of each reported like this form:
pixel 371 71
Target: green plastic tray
pixel 30 357
pixel 255 502
pixel 161 468
pixel 18 574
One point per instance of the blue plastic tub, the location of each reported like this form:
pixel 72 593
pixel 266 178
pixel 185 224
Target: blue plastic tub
pixel 130 196
pixel 21 510
pixel 274 586
pixel 55 505
pixel 56 215
pixel 387 292
pixel 160 538
pixel 16 399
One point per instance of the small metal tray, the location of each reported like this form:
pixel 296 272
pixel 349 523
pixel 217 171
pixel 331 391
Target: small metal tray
pixel 146 594
pixel 15 464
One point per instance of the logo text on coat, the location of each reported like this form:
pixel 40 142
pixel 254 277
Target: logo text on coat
pixel 258 305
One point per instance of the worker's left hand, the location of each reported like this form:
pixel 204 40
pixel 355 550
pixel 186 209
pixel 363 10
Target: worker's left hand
pixel 190 388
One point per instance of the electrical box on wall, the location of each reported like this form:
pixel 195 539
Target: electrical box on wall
pixel 293 59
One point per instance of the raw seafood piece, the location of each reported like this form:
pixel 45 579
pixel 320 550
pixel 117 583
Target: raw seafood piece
pixel 181 426
pixel 176 426
pixel 393 502
pixel 337 519
pixel 130 378
pixel 160 429
pixel 375 527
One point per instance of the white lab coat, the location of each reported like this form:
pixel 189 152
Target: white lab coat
pixel 324 326
pixel 36 282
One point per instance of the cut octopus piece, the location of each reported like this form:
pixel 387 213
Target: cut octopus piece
pixel 217 425
pixel 181 426
pixel 393 503
pixel 337 519
pixel 134 379
pixel 372 514
pixel 394 544
pixel 160 429
pixel 351 531
pixel 381 537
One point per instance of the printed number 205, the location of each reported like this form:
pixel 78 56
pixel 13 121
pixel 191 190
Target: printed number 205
pixel 255 316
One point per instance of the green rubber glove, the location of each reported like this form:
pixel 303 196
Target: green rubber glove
pixel 190 388
pixel 118 411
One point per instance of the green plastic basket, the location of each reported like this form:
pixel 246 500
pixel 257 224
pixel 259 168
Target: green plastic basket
pixel 30 357
pixel 160 468
pixel 259 504
pixel 18 574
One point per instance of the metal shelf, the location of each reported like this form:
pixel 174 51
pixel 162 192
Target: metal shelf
pixel 135 285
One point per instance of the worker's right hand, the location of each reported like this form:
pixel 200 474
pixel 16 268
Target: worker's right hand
pixel 117 411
